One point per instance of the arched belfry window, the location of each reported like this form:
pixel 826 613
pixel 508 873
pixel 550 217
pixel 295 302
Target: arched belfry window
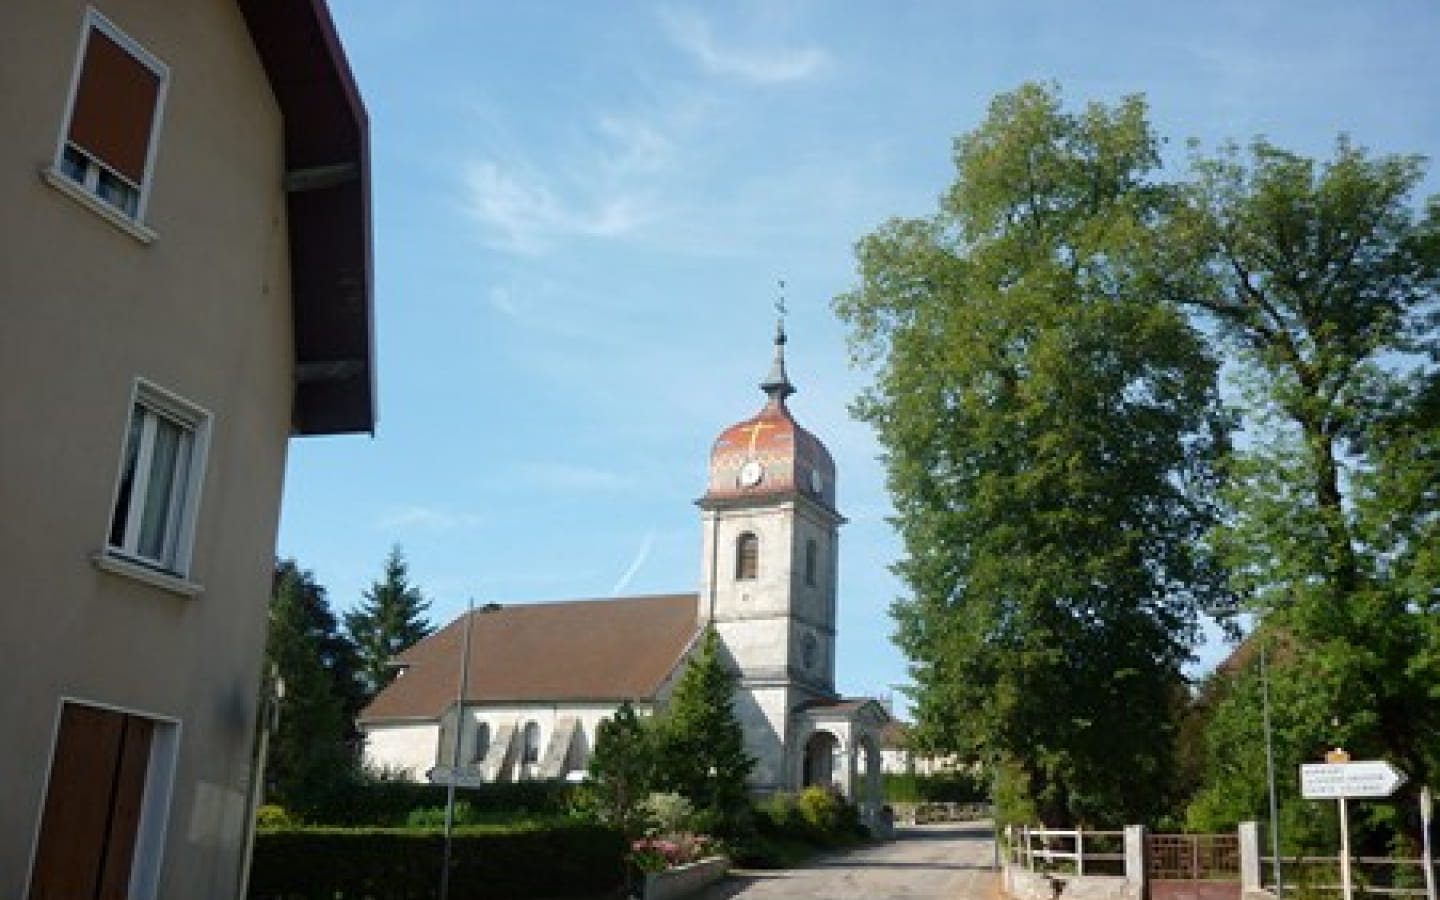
pixel 531 750
pixel 482 741
pixel 747 556
pixel 812 553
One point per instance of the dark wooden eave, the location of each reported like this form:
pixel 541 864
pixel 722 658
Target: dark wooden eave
pixel 327 184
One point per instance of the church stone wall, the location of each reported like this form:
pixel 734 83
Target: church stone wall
pixel 416 747
pixel 764 715
pixel 410 748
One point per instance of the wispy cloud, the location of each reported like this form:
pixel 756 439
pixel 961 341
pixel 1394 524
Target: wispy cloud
pixel 524 213
pixel 692 33
pixel 640 556
pixel 427 518
pixel 633 167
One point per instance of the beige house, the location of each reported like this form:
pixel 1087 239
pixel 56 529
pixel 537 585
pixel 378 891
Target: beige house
pixel 541 677
pixel 184 285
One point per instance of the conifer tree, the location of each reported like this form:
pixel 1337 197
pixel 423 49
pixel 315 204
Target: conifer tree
pixel 622 769
pixel 701 752
pixel 390 619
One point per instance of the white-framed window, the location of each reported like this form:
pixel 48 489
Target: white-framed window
pixel 157 493
pixel 117 95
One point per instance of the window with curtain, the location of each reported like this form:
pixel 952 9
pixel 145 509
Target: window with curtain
pixel 153 518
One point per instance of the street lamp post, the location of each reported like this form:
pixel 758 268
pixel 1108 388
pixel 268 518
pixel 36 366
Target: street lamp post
pixel 1269 752
pixel 1270 770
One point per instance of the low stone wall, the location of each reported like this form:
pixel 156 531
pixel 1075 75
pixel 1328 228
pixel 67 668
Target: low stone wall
pixel 927 813
pixel 682 881
pixel 1022 884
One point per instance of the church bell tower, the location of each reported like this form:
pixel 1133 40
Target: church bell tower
pixel 770 565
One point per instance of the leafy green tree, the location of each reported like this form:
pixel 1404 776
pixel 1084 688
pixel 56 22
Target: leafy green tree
pixel 700 750
pixel 389 619
pixel 322 629
pixel 1049 432
pixel 310 753
pixel 1323 279
pixel 622 770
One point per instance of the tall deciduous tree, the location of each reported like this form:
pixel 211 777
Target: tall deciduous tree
pixel 1048 433
pixel 389 619
pixel 1325 280
pixel 309 755
pixel 701 747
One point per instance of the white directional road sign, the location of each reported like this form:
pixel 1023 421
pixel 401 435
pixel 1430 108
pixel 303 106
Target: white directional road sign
pixel 1334 781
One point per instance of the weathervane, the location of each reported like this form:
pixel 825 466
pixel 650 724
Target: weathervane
pixel 780 304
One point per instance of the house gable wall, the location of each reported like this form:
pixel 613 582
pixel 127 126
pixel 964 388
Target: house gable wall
pixel 202 311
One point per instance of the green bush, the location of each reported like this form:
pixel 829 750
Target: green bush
pixel 386 804
pixel 505 864
pixel 789 827
pixel 822 810
pixel 944 787
pixel 272 816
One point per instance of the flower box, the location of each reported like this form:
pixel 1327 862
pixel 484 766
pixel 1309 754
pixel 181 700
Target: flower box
pixel 682 881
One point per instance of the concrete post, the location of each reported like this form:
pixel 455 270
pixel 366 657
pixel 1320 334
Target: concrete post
pixel 1135 858
pixel 1249 857
pixel 845 778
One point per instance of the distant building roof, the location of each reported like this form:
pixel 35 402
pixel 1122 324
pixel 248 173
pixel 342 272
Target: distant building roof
pixel 580 650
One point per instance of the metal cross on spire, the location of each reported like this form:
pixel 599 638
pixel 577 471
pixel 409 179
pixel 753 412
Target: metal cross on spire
pixel 776 384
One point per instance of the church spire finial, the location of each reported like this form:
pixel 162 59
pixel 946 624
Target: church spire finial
pixel 777 384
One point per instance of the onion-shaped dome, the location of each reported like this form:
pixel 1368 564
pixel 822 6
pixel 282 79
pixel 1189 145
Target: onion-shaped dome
pixel 770 454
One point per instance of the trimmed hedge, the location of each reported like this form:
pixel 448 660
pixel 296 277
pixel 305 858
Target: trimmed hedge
pixel 388 803
pixel 942 787
pixel 363 864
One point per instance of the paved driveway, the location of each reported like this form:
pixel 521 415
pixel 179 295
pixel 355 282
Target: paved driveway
pixel 927 862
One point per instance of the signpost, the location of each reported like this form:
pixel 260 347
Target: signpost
pixel 1373 779
pixel 1341 780
pixel 1426 802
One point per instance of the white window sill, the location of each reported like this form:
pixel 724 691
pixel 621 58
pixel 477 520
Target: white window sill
pixel 80 195
pixel 119 565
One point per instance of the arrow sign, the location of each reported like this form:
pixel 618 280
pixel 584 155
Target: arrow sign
pixel 1334 781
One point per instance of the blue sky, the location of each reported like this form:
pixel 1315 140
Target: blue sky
pixel 582 209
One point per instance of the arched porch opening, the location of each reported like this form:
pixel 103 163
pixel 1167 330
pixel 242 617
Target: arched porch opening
pixel 818 763
pixel 870 782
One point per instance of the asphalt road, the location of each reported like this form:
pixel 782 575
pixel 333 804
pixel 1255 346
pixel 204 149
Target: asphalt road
pixel 926 862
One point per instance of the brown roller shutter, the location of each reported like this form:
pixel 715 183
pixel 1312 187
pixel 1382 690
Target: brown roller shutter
pixel 114 106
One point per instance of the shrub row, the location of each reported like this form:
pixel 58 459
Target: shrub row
pixel 389 803
pixel 945 787
pixel 358 864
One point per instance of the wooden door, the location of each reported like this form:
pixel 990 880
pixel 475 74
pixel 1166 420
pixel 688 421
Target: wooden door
pixel 92 806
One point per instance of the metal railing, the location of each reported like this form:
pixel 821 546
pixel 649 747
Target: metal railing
pixel 1377 876
pixel 1066 851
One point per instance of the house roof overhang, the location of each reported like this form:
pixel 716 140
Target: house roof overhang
pixel 327 185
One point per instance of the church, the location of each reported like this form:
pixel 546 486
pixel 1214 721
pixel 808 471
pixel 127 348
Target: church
pixel 539 678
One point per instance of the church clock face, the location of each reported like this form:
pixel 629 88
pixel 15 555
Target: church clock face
pixel 751 473
pixel 809 650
